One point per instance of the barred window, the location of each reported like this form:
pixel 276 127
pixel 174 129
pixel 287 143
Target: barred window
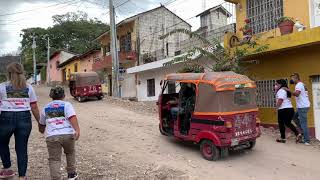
pixel 265 94
pixel 263 14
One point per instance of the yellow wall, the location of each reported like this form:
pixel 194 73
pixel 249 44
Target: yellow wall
pixel 292 8
pixel 304 61
pixel 70 66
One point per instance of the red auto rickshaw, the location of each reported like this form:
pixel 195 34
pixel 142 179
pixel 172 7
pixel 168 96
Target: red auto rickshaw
pixel 85 85
pixel 216 110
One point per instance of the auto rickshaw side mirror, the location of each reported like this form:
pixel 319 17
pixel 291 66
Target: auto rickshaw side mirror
pixel 161 82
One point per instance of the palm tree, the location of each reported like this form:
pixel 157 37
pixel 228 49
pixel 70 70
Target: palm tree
pixel 211 49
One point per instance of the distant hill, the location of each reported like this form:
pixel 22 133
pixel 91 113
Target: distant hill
pixel 5 60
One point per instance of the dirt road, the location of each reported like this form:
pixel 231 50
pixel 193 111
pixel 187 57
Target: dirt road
pixel 121 143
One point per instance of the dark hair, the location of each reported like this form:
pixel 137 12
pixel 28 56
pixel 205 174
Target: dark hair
pixel 296 75
pixel 57 93
pixel 284 83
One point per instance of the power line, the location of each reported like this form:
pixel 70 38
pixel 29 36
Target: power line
pixel 10 23
pixel 30 10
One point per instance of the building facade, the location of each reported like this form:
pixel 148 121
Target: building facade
pixel 296 52
pixel 139 43
pixel 149 75
pixel 56 73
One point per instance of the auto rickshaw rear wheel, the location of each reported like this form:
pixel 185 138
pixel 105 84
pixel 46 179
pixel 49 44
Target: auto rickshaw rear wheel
pixel 209 151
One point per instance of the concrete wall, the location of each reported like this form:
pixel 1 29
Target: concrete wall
pixel 55 72
pixel 87 62
pixel 214 20
pixel 151 28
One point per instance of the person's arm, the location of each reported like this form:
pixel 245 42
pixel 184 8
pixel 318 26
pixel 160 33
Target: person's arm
pixel 296 93
pixel 74 123
pixel 71 115
pixel 42 122
pixel 33 104
pixel 35 111
pixel 279 103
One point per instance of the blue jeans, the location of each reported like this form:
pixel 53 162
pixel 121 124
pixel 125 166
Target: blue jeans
pixel 18 124
pixel 302 114
pixel 174 112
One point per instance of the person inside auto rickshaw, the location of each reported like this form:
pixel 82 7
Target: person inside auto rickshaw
pixel 187 96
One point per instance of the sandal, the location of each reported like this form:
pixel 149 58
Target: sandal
pixel 281 140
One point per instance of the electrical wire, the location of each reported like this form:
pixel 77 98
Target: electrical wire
pixel 36 9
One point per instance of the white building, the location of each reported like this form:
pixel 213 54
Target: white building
pixel 139 44
pixel 150 74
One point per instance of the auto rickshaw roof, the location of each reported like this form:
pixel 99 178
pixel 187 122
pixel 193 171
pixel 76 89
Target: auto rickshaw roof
pixel 221 80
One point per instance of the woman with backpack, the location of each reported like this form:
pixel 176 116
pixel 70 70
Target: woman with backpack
pixel 285 111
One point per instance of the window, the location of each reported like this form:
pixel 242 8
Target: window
pixel 241 98
pixel 264 14
pixel 266 94
pixel 171 87
pixel 125 43
pixel 151 87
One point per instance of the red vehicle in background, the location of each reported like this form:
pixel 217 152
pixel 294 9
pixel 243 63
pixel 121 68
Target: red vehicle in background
pixel 216 110
pixel 85 85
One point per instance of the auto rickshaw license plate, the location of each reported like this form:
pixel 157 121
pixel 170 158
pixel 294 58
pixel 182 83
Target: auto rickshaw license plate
pixel 234 142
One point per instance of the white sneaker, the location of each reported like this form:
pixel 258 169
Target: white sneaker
pixel 307 144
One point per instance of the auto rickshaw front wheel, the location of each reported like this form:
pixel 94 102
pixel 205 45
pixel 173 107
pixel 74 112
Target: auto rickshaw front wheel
pixel 209 151
pixel 80 99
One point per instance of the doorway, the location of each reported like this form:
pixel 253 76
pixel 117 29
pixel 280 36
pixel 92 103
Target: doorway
pixel 314 13
pixel 316 104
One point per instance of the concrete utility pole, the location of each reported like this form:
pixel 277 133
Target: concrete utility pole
pixel 114 53
pixel 48 62
pixel 34 59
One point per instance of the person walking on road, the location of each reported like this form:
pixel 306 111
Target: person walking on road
pixel 303 105
pixel 17 99
pixel 62 130
pixel 285 111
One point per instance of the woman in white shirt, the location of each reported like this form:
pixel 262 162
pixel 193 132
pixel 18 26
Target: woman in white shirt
pixel 17 100
pixel 285 111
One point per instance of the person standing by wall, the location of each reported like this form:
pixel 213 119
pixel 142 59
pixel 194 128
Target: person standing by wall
pixel 285 111
pixel 303 105
pixel 17 99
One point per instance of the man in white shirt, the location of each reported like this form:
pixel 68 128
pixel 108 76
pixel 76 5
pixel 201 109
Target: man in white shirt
pixel 303 105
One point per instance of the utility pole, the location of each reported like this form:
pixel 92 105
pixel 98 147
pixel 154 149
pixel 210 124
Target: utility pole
pixel 114 52
pixel 48 62
pixel 34 59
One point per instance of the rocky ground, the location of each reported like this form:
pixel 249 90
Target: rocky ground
pixel 120 140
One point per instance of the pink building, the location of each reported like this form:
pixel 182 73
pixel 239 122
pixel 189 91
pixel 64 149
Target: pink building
pixel 87 59
pixel 56 74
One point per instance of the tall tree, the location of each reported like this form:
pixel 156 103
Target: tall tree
pixel 73 31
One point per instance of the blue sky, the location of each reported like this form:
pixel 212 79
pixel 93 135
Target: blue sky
pixel 16 15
